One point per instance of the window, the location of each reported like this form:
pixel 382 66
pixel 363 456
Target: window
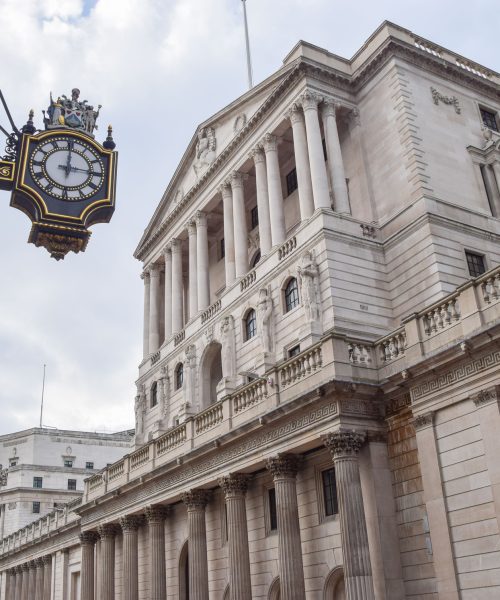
pixel 36 508
pixel 291 295
pixel 57 504
pixel 330 492
pixel 37 482
pixel 179 376
pixel 475 262
pixel 294 351
pixel 273 517
pixel 256 258
pixel 489 119
pixel 71 484
pixel 254 217
pixel 154 394
pixel 291 181
pixel 222 248
pixel 12 463
pixel 250 324
pixel 68 463
pixel 89 465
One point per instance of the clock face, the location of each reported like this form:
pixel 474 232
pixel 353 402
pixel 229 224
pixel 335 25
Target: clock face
pixel 67 168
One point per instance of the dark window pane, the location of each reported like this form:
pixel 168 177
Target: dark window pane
pixel 37 482
pixel 330 492
pixel 36 507
pixel 273 518
pixel 293 351
pixel 250 324
pixel 475 262
pixel 254 217
pixel 89 465
pixel 489 119
pixel 71 484
pixel 222 248
pixel 179 376
pixel 291 295
pixel 68 463
pixel 154 394
pixel 291 181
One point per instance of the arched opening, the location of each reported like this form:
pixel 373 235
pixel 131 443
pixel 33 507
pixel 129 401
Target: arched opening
pixel 290 295
pixel 210 373
pixel 179 376
pixel 249 324
pixel 274 590
pixel 154 394
pixel 335 585
pixel 184 573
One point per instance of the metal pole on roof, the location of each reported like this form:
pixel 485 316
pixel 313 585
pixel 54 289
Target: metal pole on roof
pixel 247 42
pixel 43 390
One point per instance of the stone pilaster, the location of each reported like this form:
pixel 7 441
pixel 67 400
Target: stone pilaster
pixel 335 161
pixel 240 224
pixel 155 517
pixel 177 287
pixel 229 260
pixel 167 253
pixel 154 308
pixel 284 470
pixel 202 260
pixel 304 183
pixel 193 268
pixel 38 579
pixel 129 525
pixel 145 332
pixel 344 447
pixel 276 210
pixel 319 177
pixel 259 159
pixel 47 577
pixel 107 534
pixel 235 488
pixel 196 502
pixel 87 569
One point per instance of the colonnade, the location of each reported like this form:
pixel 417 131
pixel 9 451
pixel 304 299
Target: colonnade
pixel 313 193
pixel 284 468
pixel 30 581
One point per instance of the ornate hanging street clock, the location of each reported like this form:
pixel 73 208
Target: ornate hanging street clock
pixel 62 178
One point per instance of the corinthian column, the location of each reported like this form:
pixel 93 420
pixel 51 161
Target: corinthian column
pixel 202 249
pixel 145 334
pixel 193 269
pixel 227 201
pixel 335 161
pixel 235 489
pixel 167 252
pixel 259 159
pixel 196 502
pixel 87 543
pixel 344 447
pixel 155 516
pixel 47 577
pixel 10 575
pixel 275 192
pixel 306 201
pixel 240 224
pixel 130 524
pixel 107 534
pixel 154 306
pixel 177 322
pixel 19 582
pixel 319 177
pixel 284 469
pixel 38 579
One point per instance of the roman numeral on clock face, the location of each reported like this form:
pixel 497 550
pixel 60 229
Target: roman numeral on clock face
pixel 65 194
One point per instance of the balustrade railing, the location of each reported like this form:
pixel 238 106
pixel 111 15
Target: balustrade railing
pixel 155 357
pixel 139 457
pixel 392 346
pixel 441 316
pixel 209 418
pixel 179 337
pixel 250 395
pixel 359 353
pixel 248 280
pixel 115 471
pixel 300 366
pixel 211 311
pixel 171 439
pixel 287 248
pixel 95 482
pixel 490 287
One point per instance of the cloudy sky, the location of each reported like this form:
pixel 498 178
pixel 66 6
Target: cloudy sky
pixel 158 67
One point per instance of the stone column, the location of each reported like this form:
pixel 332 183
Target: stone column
pixel 9 583
pixel 154 308
pixel 19 582
pixel 202 249
pixel 492 189
pixel 344 447
pixel 319 177
pixel 259 159
pixel 47 577
pixel 130 524
pixel 26 582
pixel 167 252
pixel 177 291
pixel 229 261
pixel 284 469
pixel 276 212
pixel 335 162
pixel 306 201
pixel 145 336
pixel 87 544
pixel 155 516
pixel 31 579
pixel 196 502
pixel 240 225
pixel 38 579
pixel 193 268
pixel 107 534
pixel 235 488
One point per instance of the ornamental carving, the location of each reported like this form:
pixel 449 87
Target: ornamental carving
pixel 196 499
pixel 308 273
pixel 452 100
pixel 47 560
pixel 156 514
pixel 39 563
pixel 88 538
pixel 310 100
pixel 344 443
pixel 235 484
pixel 131 522
pixel 239 123
pixel 486 396
pixel 107 530
pixel 425 420
pixel 205 150
pixel 285 466
pixel 265 320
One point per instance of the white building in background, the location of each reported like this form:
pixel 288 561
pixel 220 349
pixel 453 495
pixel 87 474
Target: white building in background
pixel 42 469
pixel 317 414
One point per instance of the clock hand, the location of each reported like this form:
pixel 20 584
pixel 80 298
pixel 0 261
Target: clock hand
pixel 74 169
pixel 68 162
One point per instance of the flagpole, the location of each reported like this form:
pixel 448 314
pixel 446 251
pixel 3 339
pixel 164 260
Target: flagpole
pixel 247 42
pixel 43 390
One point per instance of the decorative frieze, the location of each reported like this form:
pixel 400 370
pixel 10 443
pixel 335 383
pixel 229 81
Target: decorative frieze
pixel 451 100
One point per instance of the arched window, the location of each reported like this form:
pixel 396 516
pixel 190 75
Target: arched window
pixel 256 258
pixel 291 295
pixel 179 376
pixel 250 324
pixel 154 394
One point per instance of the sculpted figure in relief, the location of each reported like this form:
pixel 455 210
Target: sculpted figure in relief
pixel 190 372
pixel 228 352
pixel 165 392
pixel 264 319
pixel 139 411
pixel 205 150
pixel 308 276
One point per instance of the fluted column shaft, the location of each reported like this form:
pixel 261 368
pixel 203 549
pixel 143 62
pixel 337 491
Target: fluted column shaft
pixel 304 183
pixel 47 577
pixel 38 579
pixel 284 470
pixel 145 336
pixel 32 580
pixel 87 576
pixel 107 580
pixel 229 261
pixel 154 308
pixel 276 211
pixel 240 225
pixel 259 159
pixel 10 589
pixel 193 269
pixel 235 488
pixel 130 525
pixel 19 583
pixel 26 582
pixel 168 292
pixel 335 162
pixel 155 516
pixel 319 177
pixel 203 272
pixel 345 446
pixel 196 501
pixel 177 287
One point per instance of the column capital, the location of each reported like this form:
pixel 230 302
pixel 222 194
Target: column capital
pixel 270 142
pixel 154 270
pixel 39 563
pixel 47 559
pixel 25 568
pixel 175 245
pixel 329 107
pixel 107 530
pixel 295 114
pixel 131 522
pixel 355 117
pixel 191 226
pixel 12 571
pixel 309 100
pixel 257 154
pixel 285 466
pixel 237 178
pixel 88 538
pixel 487 396
pixel 225 189
pixel 167 249
pixel 196 499
pixel 18 569
pixel 145 276
pixel 200 218
pixel 234 484
pixel 344 443
pixel 156 514
pixel 424 420
pixel 32 565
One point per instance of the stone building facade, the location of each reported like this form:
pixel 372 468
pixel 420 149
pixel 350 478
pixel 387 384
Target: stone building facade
pixel 317 407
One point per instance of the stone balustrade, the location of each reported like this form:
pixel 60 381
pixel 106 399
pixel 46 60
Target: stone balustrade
pixel 209 418
pixel 155 357
pixel 248 280
pixel 139 458
pixel 441 315
pixel 490 287
pixel 392 346
pixel 116 471
pixel 179 337
pixel 211 311
pixel 300 366
pixel 359 353
pixel 250 395
pixel 287 248
pixel 171 439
